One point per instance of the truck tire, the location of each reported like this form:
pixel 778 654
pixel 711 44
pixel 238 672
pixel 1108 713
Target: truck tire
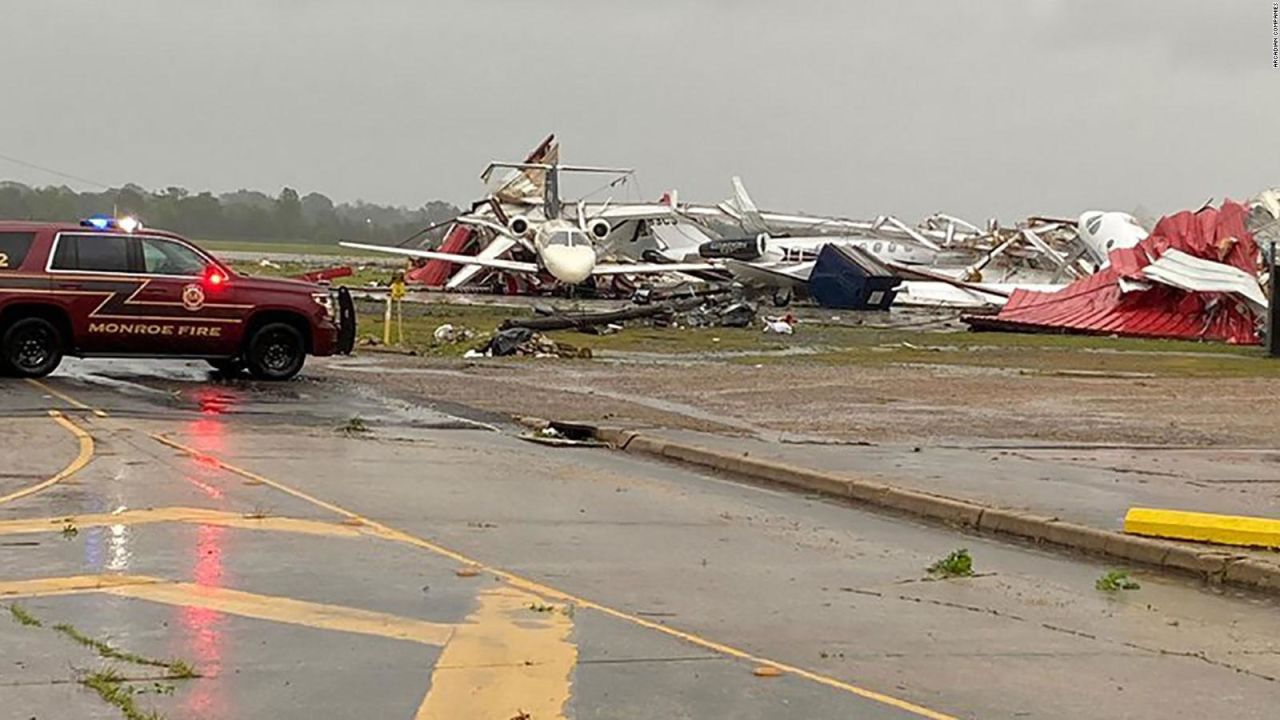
pixel 230 367
pixel 31 347
pixel 276 351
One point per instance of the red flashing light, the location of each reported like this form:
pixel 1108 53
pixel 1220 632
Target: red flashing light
pixel 214 277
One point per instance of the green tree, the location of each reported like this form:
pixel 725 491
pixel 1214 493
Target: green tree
pixel 288 214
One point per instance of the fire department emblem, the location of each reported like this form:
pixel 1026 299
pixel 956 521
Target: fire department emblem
pixel 193 297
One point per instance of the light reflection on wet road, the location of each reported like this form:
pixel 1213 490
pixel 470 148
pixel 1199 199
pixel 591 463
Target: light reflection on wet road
pixel 676 586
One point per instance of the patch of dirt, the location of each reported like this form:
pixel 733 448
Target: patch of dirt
pixel 875 403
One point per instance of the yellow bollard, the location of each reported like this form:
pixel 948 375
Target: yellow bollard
pixel 398 291
pixel 386 323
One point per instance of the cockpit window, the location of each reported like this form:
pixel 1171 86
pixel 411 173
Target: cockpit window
pixel 563 237
pixel 1094 224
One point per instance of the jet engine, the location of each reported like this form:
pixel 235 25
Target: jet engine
pixel 518 225
pixel 599 229
pixel 746 249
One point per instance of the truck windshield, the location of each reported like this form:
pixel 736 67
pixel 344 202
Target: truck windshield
pixel 166 257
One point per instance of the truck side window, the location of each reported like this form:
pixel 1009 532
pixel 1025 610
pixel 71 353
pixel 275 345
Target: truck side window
pixel 165 257
pixel 92 253
pixel 13 248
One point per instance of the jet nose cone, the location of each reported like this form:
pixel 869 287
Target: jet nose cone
pixel 570 264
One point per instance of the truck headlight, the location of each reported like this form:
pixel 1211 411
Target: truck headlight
pixel 324 300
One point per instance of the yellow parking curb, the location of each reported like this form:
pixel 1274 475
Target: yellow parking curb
pixel 1203 527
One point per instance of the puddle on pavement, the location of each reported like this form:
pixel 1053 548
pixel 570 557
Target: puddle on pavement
pixel 193 387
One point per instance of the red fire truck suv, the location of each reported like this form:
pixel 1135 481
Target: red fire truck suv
pixel 104 288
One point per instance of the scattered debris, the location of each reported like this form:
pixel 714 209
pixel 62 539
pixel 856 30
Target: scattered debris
pixel 452 334
pixel 584 320
pixel 327 274
pixel 721 311
pixel 467 571
pixel 767 671
pixel 956 564
pixel 784 325
pixel 525 342
pixel 556 438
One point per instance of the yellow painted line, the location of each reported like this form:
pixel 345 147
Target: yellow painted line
pixel 197 516
pixel 548 592
pixel 506 660
pixel 67 398
pixel 76 584
pixel 288 610
pixel 1203 527
pixel 81 459
pixel 236 602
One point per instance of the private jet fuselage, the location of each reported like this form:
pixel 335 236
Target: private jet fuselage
pixel 565 249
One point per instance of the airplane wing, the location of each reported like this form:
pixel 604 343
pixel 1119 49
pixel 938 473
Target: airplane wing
pixel 650 268
pixel 617 213
pixel 509 265
pixel 496 247
pixel 790 275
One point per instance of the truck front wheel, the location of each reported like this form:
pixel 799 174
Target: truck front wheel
pixel 276 351
pixel 31 347
pixel 227 368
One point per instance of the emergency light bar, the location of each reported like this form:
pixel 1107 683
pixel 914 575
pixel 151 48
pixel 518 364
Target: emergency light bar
pixel 106 222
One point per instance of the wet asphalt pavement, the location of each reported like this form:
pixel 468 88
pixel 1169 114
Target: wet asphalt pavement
pixel 424 562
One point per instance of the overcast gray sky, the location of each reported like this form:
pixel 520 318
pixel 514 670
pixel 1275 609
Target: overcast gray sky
pixel 855 108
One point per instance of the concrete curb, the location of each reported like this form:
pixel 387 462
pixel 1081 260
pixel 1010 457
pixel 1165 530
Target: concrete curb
pixel 1214 565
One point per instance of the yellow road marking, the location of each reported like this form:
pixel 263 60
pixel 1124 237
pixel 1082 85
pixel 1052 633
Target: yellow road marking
pixel 548 592
pixel 236 602
pixel 74 585
pixel 287 610
pixel 82 459
pixel 198 516
pixel 67 398
pixel 1204 527
pixel 507 659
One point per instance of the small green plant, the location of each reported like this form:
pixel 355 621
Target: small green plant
pixel 541 607
pixel 175 669
pixel 109 684
pixel 959 563
pixel 1115 581
pixel 181 670
pixel 354 426
pixel 69 530
pixel 22 617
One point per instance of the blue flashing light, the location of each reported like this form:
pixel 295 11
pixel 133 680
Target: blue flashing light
pixel 98 222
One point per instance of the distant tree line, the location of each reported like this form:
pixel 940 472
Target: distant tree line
pixel 240 215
